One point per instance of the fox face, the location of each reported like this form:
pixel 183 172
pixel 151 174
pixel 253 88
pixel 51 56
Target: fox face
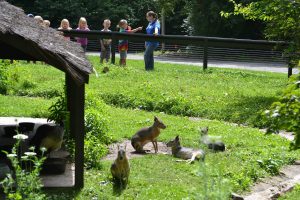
pixel 174 143
pixel 204 131
pixel 159 123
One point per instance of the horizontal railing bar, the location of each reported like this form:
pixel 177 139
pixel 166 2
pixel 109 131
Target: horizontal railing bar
pixel 179 39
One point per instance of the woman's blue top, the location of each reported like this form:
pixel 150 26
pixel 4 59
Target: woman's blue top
pixel 150 31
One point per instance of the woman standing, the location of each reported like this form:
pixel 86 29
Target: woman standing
pixel 152 29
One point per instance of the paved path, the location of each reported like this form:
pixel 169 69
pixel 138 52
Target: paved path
pixel 255 66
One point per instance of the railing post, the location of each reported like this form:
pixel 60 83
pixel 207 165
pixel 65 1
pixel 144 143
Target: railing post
pixel 113 49
pixel 205 55
pixel 290 69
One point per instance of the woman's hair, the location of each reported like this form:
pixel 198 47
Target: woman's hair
pixel 151 13
pixel 82 19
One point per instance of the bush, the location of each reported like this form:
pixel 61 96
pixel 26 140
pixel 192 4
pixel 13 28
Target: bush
pixel 96 128
pixel 9 76
pixel 285 114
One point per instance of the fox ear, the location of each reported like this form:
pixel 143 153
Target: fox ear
pixel 155 118
pixel 177 137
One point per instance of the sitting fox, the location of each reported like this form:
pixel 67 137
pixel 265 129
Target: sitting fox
pixel 147 134
pixel 212 142
pixel 184 153
pixel 120 168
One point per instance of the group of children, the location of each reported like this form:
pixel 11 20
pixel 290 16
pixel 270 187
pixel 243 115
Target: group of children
pixel 104 43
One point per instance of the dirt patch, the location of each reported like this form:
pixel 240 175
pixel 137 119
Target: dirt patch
pixel 130 151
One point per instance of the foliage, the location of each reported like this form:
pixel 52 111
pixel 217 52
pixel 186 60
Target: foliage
pixel 58 111
pixel 205 19
pixel 285 113
pixel 9 77
pixel 96 129
pixel 281 18
pixel 25 183
pixel 4 77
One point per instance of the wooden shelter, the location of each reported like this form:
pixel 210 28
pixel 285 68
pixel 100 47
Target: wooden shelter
pixel 21 38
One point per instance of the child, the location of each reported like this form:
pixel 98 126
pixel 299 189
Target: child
pixel 39 19
pixel 82 26
pixel 46 23
pixel 65 25
pixel 105 43
pixel 123 44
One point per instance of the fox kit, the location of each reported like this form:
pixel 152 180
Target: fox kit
pixel 213 143
pixel 120 168
pixel 188 154
pixel 147 134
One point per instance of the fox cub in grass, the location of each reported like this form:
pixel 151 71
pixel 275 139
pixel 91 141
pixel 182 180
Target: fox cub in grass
pixel 120 168
pixel 147 134
pixel 212 142
pixel 184 153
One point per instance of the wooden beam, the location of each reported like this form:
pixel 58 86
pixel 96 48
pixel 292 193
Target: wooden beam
pixel 75 100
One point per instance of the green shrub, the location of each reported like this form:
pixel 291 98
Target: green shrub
pixel 96 129
pixel 26 184
pixel 285 113
pixel 9 76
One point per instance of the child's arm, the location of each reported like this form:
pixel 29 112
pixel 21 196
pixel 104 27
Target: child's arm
pixel 137 29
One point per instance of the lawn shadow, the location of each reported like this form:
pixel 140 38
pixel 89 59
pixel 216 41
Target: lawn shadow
pixel 62 193
pixel 246 109
pixel 118 187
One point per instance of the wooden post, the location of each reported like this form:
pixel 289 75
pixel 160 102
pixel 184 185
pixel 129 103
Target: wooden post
pixel 290 68
pixel 113 49
pixel 205 55
pixel 75 93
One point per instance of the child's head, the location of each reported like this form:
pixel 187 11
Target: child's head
pixel 64 24
pixel 39 19
pixel 123 24
pixel 46 23
pixel 151 16
pixel 82 24
pixel 106 23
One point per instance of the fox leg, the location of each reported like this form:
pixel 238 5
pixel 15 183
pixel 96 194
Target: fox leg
pixel 154 142
pixel 190 161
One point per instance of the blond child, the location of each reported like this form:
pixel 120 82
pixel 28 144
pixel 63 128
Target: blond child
pixel 39 19
pixel 123 44
pixel 82 26
pixel 65 25
pixel 46 23
pixel 105 43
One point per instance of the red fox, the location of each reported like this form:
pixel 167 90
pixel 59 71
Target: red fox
pixel 147 134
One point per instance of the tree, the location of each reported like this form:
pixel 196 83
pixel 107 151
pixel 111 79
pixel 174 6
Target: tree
pixel 205 19
pixel 282 23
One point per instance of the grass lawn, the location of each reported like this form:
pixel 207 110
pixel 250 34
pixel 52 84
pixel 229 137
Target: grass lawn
pixel 171 92
pixel 223 94
pixel 235 169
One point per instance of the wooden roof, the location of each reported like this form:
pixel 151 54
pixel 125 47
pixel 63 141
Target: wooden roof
pixel 22 38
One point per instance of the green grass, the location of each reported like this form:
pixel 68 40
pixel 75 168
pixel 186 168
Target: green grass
pixel 24 106
pixel 294 195
pixel 223 94
pixel 159 175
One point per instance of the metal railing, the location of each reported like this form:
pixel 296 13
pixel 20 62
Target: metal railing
pixel 194 47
